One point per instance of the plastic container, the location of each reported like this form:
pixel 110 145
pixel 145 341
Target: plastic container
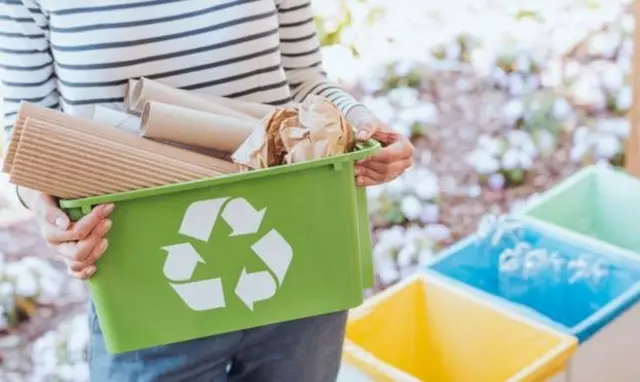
pixel 426 329
pixel 235 252
pixel 584 290
pixel 598 203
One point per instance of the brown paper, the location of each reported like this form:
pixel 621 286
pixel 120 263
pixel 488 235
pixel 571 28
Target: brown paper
pixel 122 121
pixel 311 130
pixel 110 134
pixel 148 90
pixel 195 128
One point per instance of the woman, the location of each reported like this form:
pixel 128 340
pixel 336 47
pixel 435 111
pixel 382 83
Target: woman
pixel 74 54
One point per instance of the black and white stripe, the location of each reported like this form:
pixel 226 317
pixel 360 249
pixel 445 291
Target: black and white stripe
pixel 74 54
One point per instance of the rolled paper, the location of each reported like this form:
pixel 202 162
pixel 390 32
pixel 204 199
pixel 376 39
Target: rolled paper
pixel 128 91
pixel 195 128
pixel 253 109
pixel 148 90
pixel 122 121
pixel 110 134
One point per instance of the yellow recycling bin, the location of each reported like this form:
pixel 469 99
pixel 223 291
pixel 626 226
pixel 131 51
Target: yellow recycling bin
pixel 426 329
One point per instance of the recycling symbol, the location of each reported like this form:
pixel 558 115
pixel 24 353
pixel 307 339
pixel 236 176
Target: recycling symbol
pixel 198 223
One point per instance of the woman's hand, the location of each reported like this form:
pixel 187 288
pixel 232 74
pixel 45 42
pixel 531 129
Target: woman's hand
pixel 80 243
pixel 395 157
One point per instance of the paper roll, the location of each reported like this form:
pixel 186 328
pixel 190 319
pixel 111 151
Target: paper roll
pixel 110 134
pixel 196 128
pixel 148 90
pixel 122 121
pixel 128 91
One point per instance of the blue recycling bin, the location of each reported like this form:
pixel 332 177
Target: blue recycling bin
pixel 575 287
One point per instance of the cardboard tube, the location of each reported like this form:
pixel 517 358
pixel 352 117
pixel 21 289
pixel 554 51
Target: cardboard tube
pixel 111 134
pixel 148 90
pixel 128 90
pixel 122 121
pixel 193 127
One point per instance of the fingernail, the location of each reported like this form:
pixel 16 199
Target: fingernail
pixel 104 244
pixel 106 226
pixel 108 208
pixel 358 171
pixel 89 271
pixel 61 222
pixel 362 135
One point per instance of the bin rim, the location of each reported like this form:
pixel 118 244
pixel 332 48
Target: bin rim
pixel 523 213
pixel 566 346
pixel 586 328
pixel 364 150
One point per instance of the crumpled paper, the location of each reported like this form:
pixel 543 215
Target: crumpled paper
pixel 313 129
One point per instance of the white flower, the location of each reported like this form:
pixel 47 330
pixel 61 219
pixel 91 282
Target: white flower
pixel 517 85
pixel 511 159
pixel 430 213
pixel 427 188
pixel 437 232
pixel 546 141
pixel 404 97
pixel 407 255
pixel 607 146
pixel 411 207
pixel 483 162
pixel 424 113
pixel 612 78
pixel 513 111
pixel 561 109
pixel 493 146
pixel 387 271
pixel 624 98
pixel 382 107
pixel 496 181
pixel 579 151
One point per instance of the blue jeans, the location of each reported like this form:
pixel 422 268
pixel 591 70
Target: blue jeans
pixel 305 350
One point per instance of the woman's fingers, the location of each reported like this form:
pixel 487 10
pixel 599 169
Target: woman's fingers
pixel 79 230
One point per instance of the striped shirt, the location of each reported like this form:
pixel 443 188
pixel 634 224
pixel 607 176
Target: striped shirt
pixel 74 54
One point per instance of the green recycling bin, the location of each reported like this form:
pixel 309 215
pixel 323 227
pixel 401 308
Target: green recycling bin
pixel 217 255
pixel 598 204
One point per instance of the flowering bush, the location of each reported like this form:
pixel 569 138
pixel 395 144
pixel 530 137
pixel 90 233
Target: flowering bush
pixel 412 197
pixel 400 251
pixel 23 285
pixel 59 355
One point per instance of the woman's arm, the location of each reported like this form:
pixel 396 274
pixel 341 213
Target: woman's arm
pixel 301 57
pixel 26 64
pixel 302 61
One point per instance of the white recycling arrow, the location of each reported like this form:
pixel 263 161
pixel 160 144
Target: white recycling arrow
pixel 254 287
pixel 182 260
pixel 201 295
pixel 242 217
pixel 200 217
pixel 276 253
